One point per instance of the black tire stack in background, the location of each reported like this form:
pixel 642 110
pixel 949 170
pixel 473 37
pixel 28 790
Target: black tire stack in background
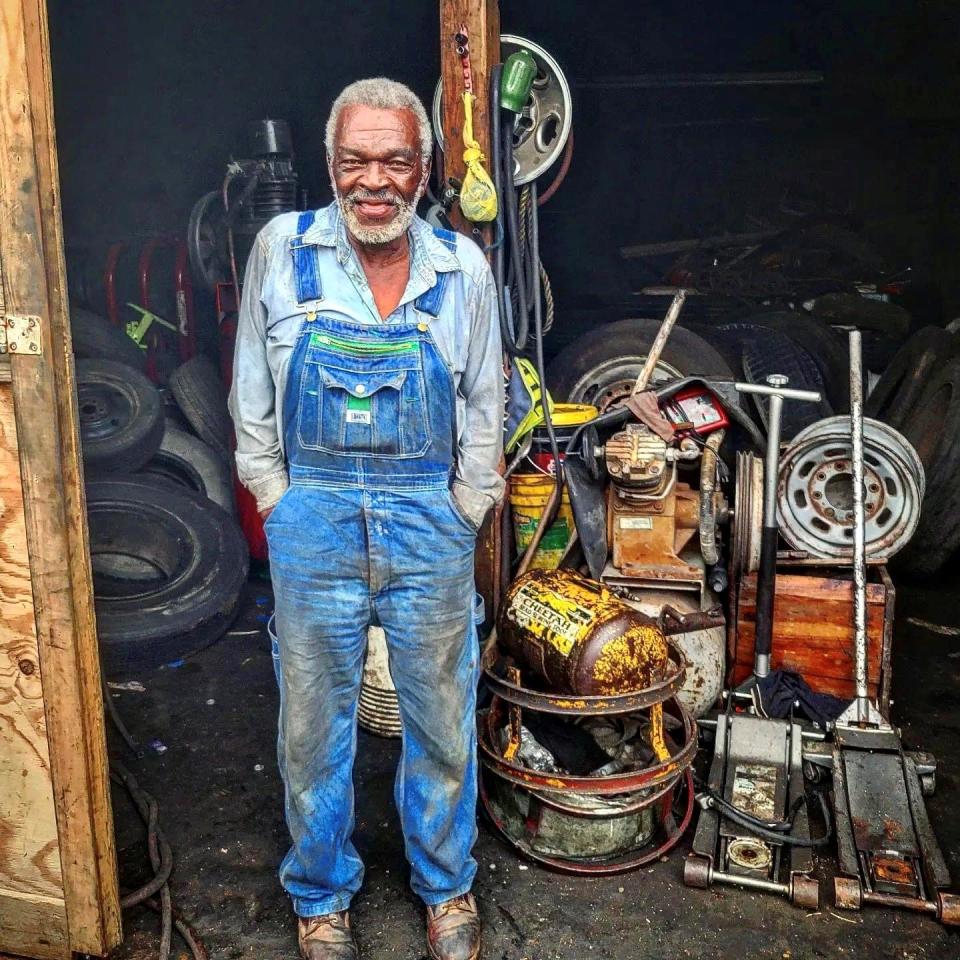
pixel 169 559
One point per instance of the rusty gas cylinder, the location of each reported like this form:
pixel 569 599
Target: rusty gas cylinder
pixel 578 636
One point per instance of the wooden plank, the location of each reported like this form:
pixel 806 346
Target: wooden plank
pixel 46 419
pixel 90 709
pixel 482 20
pixel 34 926
pixel 813 632
pixel 29 854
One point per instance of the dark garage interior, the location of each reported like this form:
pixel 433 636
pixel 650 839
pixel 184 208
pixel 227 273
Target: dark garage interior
pixel 795 167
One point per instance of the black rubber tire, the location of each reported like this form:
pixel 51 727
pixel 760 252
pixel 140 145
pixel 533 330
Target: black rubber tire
pixel 96 338
pixel 850 309
pixel 826 347
pixel 933 428
pixel 685 351
pixel 169 567
pixel 186 462
pixel 766 351
pixel 121 417
pixel 202 397
pixel 906 376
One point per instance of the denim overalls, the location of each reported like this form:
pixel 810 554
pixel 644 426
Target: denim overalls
pixel 368 533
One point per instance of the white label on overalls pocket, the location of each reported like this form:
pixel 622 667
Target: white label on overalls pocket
pixel 358 416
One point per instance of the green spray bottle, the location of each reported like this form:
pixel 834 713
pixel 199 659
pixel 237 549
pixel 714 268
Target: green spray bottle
pixel 516 82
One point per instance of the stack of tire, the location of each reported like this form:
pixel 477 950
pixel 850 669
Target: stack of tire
pixel 169 560
pixel 919 395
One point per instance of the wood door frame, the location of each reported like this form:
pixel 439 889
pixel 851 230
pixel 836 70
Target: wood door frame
pixel 34 284
pixel 482 20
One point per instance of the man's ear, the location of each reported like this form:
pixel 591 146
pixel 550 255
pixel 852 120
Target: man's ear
pixel 427 167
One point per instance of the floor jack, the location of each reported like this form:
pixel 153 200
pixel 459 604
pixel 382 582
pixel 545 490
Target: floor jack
pixel 753 829
pixel 887 854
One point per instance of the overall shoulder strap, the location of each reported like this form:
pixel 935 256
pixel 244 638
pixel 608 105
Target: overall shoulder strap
pixel 305 273
pixel 430 301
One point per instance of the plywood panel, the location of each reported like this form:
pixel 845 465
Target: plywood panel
pixel 31 247
pixel 37 926
pixel 29 858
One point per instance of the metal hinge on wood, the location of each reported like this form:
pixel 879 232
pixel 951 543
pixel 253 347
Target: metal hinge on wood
pixel 20 334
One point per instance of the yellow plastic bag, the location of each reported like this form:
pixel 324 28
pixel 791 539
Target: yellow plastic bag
pixel 478 197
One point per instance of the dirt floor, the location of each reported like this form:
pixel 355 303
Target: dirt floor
pixel 208 729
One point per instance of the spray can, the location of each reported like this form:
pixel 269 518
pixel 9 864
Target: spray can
pixel 516 81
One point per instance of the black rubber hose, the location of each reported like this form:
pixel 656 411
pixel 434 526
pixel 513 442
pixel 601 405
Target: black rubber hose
pixel 518 279
pixel 774 833
pixel 538 333
pixel 504 312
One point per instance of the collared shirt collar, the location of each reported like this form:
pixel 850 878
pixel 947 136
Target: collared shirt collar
pixel 428 254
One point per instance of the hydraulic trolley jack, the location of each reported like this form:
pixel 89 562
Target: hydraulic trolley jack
pixel 753 829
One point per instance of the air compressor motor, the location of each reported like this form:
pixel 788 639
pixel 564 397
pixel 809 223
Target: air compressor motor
pixel 254 191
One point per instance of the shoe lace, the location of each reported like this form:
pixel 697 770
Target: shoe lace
pixel 459 904
pixel 338 921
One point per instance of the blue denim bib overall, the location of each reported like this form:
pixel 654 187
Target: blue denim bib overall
pixel 368 533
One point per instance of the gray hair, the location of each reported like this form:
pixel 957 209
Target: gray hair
pixel 382 94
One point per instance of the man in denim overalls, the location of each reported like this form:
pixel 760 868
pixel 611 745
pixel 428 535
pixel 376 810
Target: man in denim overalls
pixel 368 404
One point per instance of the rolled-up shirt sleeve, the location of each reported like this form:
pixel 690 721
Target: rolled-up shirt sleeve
pixel 478 484
pixel 260 460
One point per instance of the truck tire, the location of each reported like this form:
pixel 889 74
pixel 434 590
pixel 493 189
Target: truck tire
pixel 185 461
pixel 826 347
pixel 596 367
pixel 96 338
pixel 933 427
pixel 903 381
pixel 120 414
pixel 202 397
pixel 169 568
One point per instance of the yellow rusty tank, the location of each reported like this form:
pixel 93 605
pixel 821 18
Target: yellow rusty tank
pixel 578 636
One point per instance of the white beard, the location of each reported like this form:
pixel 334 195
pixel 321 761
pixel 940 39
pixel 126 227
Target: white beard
pixel 385 233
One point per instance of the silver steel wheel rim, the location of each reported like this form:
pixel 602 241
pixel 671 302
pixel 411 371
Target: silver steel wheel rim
pixel 614 377
pixel 814 498
pixel 545 122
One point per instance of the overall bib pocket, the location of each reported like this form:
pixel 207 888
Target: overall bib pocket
pixel 363 398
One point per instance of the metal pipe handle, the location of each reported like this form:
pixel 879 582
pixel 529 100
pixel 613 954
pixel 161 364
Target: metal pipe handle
pixel 859 526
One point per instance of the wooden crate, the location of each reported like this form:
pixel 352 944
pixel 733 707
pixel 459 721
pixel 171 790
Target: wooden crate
pixel 813 630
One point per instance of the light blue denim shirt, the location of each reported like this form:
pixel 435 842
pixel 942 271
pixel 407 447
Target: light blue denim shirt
pixel 466 332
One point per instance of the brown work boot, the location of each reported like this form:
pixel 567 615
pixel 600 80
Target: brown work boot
pixel 453 930
pixel 327 937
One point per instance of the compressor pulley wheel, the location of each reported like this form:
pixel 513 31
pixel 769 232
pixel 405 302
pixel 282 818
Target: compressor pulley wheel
pixel 747 514
pixel 207 240
pixel 815 490
pixel 543 126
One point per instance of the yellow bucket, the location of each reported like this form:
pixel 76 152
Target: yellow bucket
pixel 529 494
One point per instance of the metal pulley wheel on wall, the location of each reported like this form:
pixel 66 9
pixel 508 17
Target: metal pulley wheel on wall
pixel 815 490
pixel 543 126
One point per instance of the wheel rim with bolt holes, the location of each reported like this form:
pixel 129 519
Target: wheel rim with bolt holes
pixel 544 124
pixel 815 499
pixel 609 384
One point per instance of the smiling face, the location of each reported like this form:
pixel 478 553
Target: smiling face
pixel 377 172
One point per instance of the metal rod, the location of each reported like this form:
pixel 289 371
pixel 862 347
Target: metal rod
pixel 776 389
pixel 787 393
pixel 767 572
pixel 859 523
pixel 750 883
pixel 660 341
